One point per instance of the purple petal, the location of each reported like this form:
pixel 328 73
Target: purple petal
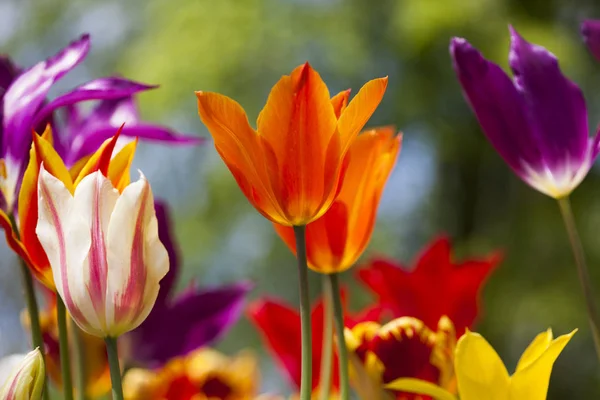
pixel 98 89
pixel 590 30
pixel 498 106
pixel 27 93
pixel 164 234
pixel 8 73
pixel 91 142
pixel 556 105
pixel 194 320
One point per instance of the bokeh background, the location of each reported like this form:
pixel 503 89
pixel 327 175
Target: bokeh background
pixel 448 178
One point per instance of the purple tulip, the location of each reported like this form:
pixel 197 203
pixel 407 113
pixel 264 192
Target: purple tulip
pixel 180 324
pixel 590 30
pixel 537 121
pixel 25 107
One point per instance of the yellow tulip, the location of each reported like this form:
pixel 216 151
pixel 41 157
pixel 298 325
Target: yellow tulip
pixel 481 373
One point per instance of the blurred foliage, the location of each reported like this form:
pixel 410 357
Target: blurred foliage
pixel 448 178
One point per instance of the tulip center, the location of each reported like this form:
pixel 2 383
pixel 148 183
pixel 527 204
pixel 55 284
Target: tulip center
pixel 214 387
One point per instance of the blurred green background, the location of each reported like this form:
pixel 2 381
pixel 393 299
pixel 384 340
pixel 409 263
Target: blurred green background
pixel 448 178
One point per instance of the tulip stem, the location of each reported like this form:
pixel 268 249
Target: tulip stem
pixel 338 312
pixel 115 368
pixel 34 315
pixel 582 269
pixel 327 350
pixel 79 361
pixel 306 370
pixel 63 340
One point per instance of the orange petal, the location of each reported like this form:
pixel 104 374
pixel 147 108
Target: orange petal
pixel 372 157
pixel 118 170
pixel 360 109
pixel 340 102
pixel 237 144
pixel 41 151
pixel 100 160
pixel 12 238
pixel 298 123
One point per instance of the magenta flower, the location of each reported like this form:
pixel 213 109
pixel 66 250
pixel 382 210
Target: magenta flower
pixel 25 107
pixel 537 121
pixel 180 324
pixel 590 29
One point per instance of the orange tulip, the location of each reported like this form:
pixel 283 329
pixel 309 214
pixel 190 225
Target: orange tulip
pixel 336 240
pixel 291 167
pixel 22 238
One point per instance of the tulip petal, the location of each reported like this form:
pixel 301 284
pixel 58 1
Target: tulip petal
pixel 193 320
pixel 120 165
pixel 479 370
pixel 418 386
pixel 26 94
pixel 167 284
pixel 280 328
pixel 590 31
pixel 531 382
pixel 94 201
pixel 237 143
pixel 41 152
pixel 26 377
pixel 65 237
pixel 340 102
pixel 100 160
pixel 556 106
pixel 137 260
pixel 498 106
pixel 97 89
pixel 535 349
pixel 360 109
pixel 101 124
pixel 298 122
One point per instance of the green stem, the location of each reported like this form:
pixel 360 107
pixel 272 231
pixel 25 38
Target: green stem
pixel 115 368
pixel 582 270
pixel 338 312
pixel 79 361
pixel 306 377
pixel 63 339
pixel 327 351
pixel 32 305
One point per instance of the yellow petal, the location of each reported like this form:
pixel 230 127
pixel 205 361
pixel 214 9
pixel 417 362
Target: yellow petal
pixel 531 382
pixel 100 160
pixel 418 386
pixel 535 349
pixel 479 370
pixel 118 170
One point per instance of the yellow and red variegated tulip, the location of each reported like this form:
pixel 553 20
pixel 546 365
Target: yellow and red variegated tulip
pixel 21 235
pixel 290 168
pixel 403 348
pixel 204 374
pixel 103 246
pixel 22 376
pixel 336 240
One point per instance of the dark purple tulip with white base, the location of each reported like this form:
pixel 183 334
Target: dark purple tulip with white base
pixel 537 121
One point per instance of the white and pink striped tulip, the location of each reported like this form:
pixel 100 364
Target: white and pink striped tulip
pixel 22 376
pixel 103 246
